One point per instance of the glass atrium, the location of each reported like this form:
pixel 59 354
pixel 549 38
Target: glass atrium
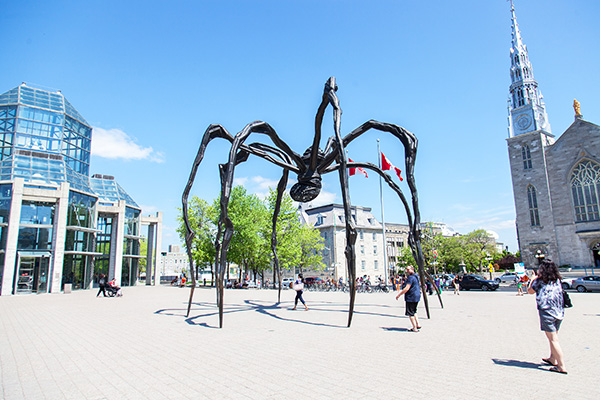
pixel 63 220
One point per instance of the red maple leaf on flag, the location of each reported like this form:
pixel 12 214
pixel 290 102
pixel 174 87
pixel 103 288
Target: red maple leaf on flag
pixel 352 171
pixel 386 164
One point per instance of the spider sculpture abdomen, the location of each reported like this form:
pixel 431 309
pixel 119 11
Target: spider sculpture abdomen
pixel 306 191
pixel 309 183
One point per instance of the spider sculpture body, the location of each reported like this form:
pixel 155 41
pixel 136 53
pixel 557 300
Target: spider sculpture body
pixel 309 168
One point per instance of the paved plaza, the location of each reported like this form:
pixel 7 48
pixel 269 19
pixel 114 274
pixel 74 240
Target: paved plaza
pixel 141 346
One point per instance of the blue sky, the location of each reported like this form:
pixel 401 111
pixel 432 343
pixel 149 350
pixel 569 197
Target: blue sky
pixel 150 76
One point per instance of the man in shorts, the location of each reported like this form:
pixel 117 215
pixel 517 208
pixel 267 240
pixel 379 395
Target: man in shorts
pixel 412 295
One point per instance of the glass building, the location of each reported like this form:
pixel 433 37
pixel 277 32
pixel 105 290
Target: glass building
pixel 59 227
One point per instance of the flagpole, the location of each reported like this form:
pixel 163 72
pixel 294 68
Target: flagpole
pixel 385 259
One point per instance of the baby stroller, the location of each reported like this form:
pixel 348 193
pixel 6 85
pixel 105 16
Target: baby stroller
pixel 113 291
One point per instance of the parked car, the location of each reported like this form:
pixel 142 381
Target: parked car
pixel 507 277
pixel 286 282
pixel 313 281
pixel 587 283
pixel 567 283
pixel 477 282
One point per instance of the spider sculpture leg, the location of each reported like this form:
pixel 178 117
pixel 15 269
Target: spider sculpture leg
pixel 280 189
pixel 350 241
pixel 212 132
pixel 409 142
pixel 227 171
pixel 330 97
pixel 282 156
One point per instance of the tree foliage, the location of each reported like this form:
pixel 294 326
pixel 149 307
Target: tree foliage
pixel 250 246
pixel 473 250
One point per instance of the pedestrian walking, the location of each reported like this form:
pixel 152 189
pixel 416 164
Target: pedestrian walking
pixel 520 286
pixel 429 287
pixel 299 288
pixel 412 295
pixel 456 283
pixel 549 298
pixel 102 285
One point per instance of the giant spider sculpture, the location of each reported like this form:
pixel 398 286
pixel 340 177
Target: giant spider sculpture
pixel 309 168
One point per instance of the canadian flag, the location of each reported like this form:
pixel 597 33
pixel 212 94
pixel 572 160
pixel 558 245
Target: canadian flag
pixel 386 164
pixel 352 171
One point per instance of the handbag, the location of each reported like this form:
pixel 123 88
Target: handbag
pixel 566 300
pixel 298 286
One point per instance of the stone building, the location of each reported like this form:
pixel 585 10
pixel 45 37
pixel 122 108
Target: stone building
pixel 330 221
pixel 370 256
pixel 396 236
pixel 555 181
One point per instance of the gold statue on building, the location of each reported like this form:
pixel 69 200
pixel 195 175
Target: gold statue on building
pixel 577 108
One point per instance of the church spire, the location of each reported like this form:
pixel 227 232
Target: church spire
pixel 527 111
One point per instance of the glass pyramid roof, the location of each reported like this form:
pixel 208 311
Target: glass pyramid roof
pixel 109 190
pixel 30 96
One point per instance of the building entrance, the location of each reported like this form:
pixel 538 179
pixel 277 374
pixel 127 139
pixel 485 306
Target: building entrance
pixel 32 273
pixel 596 254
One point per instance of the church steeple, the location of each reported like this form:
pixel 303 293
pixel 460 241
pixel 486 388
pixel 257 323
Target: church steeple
pixel 527 111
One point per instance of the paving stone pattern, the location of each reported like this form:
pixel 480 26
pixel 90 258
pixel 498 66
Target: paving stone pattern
pixel 141 346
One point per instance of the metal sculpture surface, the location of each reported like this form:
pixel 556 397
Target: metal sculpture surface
pixel 309 168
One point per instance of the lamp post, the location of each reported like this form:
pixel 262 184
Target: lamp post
pixel 164 254
pixel 540 257
pixel 490 268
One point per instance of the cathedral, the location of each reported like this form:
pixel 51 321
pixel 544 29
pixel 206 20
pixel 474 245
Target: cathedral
pixel 556 180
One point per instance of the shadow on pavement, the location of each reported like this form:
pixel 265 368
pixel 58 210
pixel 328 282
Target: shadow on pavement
pixel 517 363
pixel 207 309
pixel 395 329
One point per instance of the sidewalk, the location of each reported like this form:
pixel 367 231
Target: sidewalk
pixel 141 346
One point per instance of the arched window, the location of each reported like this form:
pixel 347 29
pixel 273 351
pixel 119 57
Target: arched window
pixel 534 215
pixel 518 74
pixel 520 99
pixel 526 157
pixel 584 185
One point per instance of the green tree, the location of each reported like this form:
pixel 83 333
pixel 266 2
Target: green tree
pixel 247 214
pixel 311 247
pixel 298 245
pixel 142 261
pixel 202 218
pixel 478 245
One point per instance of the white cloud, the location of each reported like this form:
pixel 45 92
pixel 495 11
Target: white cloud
pixel 149 210
pixel 240 181
pixel 323 198
pixel 260 186
pixel 114 143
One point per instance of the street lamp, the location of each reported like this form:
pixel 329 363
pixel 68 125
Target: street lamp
pixel 488 258
pixel 540 256
pixel 462 266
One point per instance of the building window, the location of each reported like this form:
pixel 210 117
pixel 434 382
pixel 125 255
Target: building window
pixel 375 249
pixel 526 153
pixel 362 249
pixel 375 265
pixel 374 236
pixel 363 265
pixel 584 185
pixel 361 235
pixel 320 220
pixel 533 206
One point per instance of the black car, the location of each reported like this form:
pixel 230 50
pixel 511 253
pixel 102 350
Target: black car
pixel 477 282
